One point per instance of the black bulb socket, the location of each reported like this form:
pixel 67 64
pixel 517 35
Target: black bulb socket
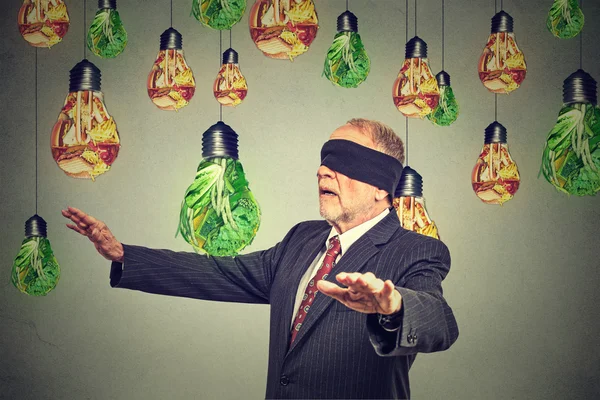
pixel 110 4
pixel 443 78
pixel 220 141
pixel 495 133
pixel 416 48
pixel 230 56
pixel 347 22
pixel 171 39
pixel 579 87
pixel 502 22
pixel 410 185
pixel 84 76
pixel 36 226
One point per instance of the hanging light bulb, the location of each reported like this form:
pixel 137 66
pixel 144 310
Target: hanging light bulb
pixel 35 270
pixel 571 158
pixel 446 111
pixel 415 91
pixel 171 82
pixel 43 23
pixel 347 63
pixel 230 87
pixel 107 37
pixel 565 19
pixel 495 177
pixel 219 214
pixel 283 29
pixel 410 204
pixel 84 140
pixel 221 15
pixel 502 65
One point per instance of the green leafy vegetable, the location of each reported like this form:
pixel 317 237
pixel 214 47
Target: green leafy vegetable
pixel 218 14
pixel 219 215
pixel 35 270
pixel 565 19
pixel 107 37
pixel 347 63
pixel 446 112
pixel 571 158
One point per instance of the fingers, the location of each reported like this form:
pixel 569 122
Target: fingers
pixel 357 282
pixel 331 289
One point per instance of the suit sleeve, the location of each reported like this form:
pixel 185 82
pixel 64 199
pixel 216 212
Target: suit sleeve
pixel 428 324
pixel 242 279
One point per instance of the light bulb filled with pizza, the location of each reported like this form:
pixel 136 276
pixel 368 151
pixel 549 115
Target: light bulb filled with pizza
pixel 495 177
pixel 171 83
pixel 230 87
pixel 502 66
pixel 415 91
pixel 410 204
pixel 43 23
pixel 283 29
pixel 85 141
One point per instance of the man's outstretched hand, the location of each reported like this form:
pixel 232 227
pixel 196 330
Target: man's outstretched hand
pixel 97 231
pixel 364 293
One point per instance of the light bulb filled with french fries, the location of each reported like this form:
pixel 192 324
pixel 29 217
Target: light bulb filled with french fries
pixel 415 91
pixel 283 29
pixel 171 83
pixel 230 87
pixel 495 177
pixel 410 204
pixel 43 23
pixel 502 66
pixel 85 141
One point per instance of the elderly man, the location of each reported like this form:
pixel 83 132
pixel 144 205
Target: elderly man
pixel 389 297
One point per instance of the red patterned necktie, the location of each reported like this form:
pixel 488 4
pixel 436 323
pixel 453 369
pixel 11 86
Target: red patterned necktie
pixel 333 250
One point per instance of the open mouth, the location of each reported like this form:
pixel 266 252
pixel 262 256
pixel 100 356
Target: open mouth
pixel 326 192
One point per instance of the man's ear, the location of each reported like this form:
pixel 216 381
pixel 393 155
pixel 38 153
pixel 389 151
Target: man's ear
pixel 380 194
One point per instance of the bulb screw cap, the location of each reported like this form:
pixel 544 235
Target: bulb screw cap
pixel 230 56
pixel 111 4
pixel 347 22
pixel 35 226
pixel 84 76
pixel 171 39
pixel 443 78
pixel 502 22
pixel 411 184
pixel 220 141
pixel 495 133
pixel 416 48
pixel 579 87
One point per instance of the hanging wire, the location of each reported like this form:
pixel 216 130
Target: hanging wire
pixel 581 42
pixel 495 106
pixel 406 118
pixel 220 53
pixel 84 32
pixel 36 130
pixel 415 17
pixel 346 5
pixel 442 35
pixel 495 6
pixel 406 14
pixel 229 37
pixel 171 13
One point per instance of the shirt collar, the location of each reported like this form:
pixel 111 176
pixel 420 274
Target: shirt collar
pixel 352 235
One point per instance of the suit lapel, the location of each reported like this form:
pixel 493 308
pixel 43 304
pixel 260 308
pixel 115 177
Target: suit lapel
pixel 353 261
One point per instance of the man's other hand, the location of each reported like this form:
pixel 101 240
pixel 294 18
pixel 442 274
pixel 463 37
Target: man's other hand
pixel 97 231
pixel 364 293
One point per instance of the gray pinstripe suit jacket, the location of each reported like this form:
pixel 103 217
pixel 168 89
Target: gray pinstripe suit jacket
pixel 338 353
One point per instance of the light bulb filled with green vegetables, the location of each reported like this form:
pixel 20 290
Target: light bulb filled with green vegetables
pixel 218 14
pixel 571 158
pixel 446 111
pixel 347 63
pixel 219 214
pixel 107 37
pixel 565 19
pixel 35 270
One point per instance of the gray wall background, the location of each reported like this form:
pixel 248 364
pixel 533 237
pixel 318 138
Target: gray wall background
pixel 524 279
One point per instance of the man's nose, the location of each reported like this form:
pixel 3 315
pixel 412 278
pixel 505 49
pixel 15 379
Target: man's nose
pixel 323 171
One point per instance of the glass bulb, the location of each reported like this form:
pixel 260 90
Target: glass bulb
pixel 171 82
pixel 221 14
pixel 219 215
pixel 415 91
pixel 565 19
pixel 347 63
pixel 283 29
pixel 410 204
pixel 84 140
pixel 107 37
pixel 230 87
pixel 43 23
pixel 571 157
pixel 35 270
pixel 446 111
pixel 502 65
pixel 495 177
